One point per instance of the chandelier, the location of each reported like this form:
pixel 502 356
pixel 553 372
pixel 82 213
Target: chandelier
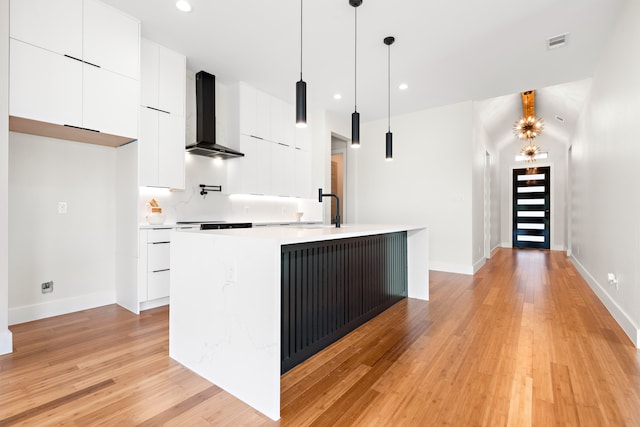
pixel 529 126
pixel 529 151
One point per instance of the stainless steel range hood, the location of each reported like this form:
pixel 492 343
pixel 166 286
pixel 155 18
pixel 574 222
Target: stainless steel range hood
pixel 206 121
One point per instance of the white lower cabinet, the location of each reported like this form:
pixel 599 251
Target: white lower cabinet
pixel 153 267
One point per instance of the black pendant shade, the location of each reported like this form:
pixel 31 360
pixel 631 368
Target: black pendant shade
pixel 389 146
pixel 301 103
pixel 355 128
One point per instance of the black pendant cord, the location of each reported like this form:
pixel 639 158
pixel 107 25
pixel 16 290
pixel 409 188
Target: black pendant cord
pixel 300 39
pixel 355 59
pixel 389 86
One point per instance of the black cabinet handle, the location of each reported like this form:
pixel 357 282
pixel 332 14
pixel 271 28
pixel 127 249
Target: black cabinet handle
pixel 160 271
pixel 157 109
pixel 74 58
pixel 81 128
pixel 160 243
pixel 83 61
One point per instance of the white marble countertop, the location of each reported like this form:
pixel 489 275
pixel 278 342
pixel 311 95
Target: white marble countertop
pixel 290 234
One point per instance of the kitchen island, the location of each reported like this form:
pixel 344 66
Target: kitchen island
pixel 248 304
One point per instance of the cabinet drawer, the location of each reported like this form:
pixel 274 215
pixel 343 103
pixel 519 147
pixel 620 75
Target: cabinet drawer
pixel 159 235
pixel 157 256
pixel 158 285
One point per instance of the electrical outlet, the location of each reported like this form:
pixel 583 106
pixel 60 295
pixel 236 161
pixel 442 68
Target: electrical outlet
pixel 62 207
pixel 47 287
pixel 613 280
pixel 231 273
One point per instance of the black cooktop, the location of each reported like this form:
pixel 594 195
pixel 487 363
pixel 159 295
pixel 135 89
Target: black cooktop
pixel 217 225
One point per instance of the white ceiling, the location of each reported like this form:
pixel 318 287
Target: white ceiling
pixel 446 51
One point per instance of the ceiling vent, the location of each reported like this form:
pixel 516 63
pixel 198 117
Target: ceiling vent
pixel 557 41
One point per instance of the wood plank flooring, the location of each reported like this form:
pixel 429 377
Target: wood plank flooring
pixel 523 342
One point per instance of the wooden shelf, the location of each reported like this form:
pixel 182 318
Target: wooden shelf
pixel 35 127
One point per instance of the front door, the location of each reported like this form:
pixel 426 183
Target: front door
pixel 531 207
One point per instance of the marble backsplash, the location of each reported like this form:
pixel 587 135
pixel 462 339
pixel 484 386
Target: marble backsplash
pixel 214 206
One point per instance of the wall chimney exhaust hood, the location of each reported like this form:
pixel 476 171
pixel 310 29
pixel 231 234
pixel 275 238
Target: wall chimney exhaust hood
pixel 206 121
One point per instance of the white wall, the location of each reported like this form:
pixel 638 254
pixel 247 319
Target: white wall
pixel 496 200
pixel 480 145
pixel 76 250
pixel 5 335
pixel 605 173
pixel 557 161
pixel 429 181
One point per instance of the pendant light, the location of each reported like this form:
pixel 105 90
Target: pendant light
pixel 301 89
pixel 355 117
pixel 389 137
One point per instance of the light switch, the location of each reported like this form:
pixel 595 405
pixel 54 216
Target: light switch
pixel 62 207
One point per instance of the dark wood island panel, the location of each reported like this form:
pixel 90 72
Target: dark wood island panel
pixel 331 287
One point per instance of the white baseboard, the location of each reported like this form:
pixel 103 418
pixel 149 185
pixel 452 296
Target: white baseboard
pixel 148 305
pixel 27 313
pixel 450 268
pixel 625 322
pixel 6 342
pixel 478 264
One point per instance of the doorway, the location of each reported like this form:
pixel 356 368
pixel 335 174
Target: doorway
pixel 339 159
pixel 337 184
pixel 531 207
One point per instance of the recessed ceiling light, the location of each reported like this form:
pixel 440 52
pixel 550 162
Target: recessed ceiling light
pixel 337 96
pixel 183 6
pixel 403 86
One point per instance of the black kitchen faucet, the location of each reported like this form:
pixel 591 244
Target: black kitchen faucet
pixel 321 195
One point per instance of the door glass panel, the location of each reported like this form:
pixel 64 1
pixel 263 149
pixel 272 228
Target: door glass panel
pixel 537 189
pixel 531 214
pixel 525 226
pixel 531 177
pixel 531 201
pixel 531 239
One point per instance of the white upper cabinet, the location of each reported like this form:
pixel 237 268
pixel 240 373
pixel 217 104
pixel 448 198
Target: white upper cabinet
pixel 263 128
pixel 75 63
pixel 109 102
pixel 162 78
pixel 252 112
pixel 111 39
pixel 303 138
pixel 51 25
pixel 162 120
pixel 250 174
pixel 149 78
pixel 246 96
pixel 58 91
pixel 282 170
pixel 282 122
pixel 172 81
pixel 302 174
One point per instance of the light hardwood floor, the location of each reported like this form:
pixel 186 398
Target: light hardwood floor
pixel 523 342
